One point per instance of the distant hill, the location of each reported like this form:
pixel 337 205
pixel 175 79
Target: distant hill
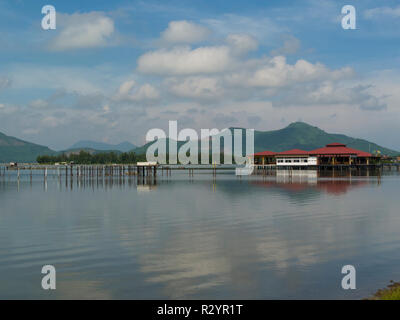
pixel 143 149
pixel 16 150
pixel 88 144
pixel 300 135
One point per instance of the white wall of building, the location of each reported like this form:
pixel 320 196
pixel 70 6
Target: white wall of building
pixel 296 161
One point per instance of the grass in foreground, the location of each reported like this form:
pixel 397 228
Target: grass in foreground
pixel 392 292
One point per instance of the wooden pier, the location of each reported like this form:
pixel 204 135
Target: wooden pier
pixel 153 170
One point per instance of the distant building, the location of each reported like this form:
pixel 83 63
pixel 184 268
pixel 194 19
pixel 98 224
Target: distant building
pixel 332 154
pixel 295 157
pixel 265 157
pixel 338 153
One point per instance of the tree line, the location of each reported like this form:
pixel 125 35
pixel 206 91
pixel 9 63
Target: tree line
pixel 84 157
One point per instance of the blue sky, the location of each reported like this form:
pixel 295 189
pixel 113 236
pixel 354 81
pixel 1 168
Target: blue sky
pixel 112 70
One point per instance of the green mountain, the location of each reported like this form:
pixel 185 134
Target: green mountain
pixel 299 135
pixel 16 150
pixel 89 144
pixel 143 149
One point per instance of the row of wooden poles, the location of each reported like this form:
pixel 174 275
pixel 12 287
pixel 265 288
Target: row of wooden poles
pixel 96 171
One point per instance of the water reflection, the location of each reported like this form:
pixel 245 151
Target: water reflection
pixel 199 237
pixel 329 186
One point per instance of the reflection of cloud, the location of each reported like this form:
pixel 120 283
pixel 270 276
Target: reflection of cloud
pixel 192 261
pixel 81 289
pixel 281 253
pixel 183 267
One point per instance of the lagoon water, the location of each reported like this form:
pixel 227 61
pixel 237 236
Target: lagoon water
pixel 196 238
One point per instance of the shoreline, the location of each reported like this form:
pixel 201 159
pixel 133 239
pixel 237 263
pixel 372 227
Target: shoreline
pixel 391 292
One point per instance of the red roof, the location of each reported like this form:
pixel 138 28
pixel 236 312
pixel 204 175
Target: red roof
pixel 332 149
pixel 339 149
pixel 293 152
pixel 364 154
pixel 265 153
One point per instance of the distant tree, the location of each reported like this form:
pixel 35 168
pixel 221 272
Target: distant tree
pixel 84 157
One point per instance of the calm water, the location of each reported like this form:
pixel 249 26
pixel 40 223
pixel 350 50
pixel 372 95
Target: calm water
pixel 262 238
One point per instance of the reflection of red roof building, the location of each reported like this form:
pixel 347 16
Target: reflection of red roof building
pixel 334 187
pixel 340 186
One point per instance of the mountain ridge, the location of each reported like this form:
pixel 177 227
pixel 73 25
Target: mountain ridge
pixel 300 135
pixel 124 146
pixel 18 150
pixel 297 135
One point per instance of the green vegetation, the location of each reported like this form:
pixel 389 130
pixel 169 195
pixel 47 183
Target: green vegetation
pixel 16 150
pixel 392 292
pixel 300 135
pixel 84 157
pixel 297 135
pixel 87 157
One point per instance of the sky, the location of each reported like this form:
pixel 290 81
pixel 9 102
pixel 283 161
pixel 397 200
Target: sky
pixel 112 70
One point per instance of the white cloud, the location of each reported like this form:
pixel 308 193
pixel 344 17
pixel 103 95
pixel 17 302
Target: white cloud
pixel 126 87
pixel 185 61
pixel 329 93
pixel 8 109
pixel 146 92
pixel 265 30
pixel 39 103
pixel 64 78
pixel 276 72
pixel 82 30
pixel 242 43
pixel 195 87
pixel 290 46
pixel 378 13
pixel 4 83
pixel 128 91
pixel 184 32
pixel 51 121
